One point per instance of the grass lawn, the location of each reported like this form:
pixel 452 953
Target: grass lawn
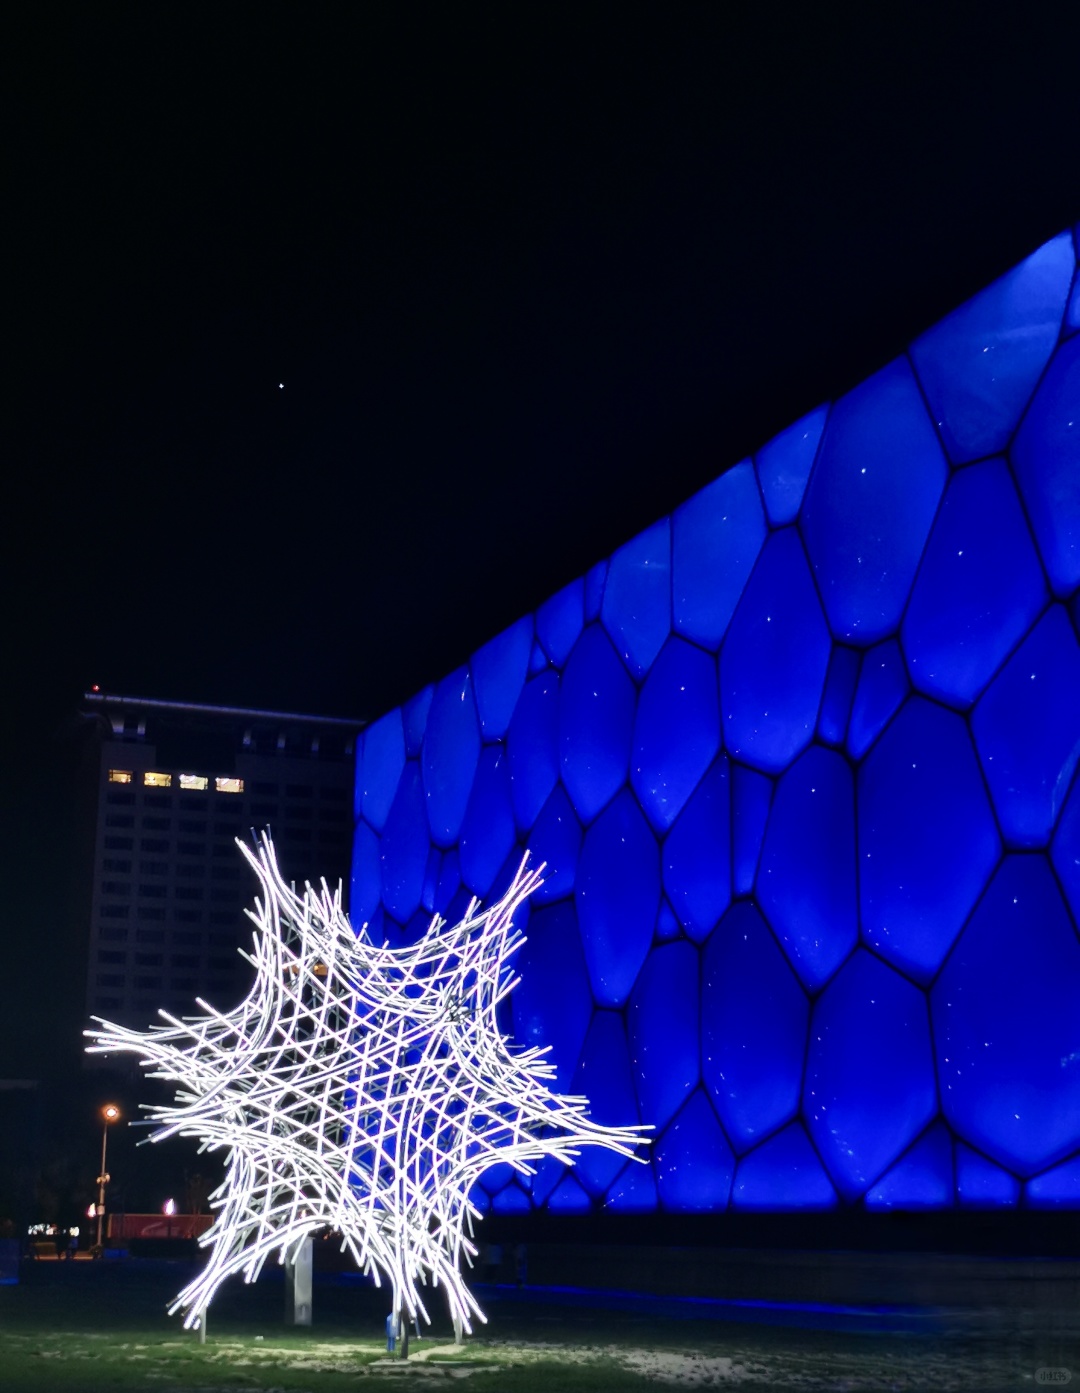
pixel 94 1327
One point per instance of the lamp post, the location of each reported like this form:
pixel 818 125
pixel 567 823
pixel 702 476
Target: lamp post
pixel 110 1113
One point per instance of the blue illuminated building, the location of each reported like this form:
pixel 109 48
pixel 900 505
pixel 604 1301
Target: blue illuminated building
pixel 801 759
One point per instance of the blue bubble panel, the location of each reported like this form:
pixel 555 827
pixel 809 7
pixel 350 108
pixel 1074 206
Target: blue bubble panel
pixel 414 717
pixel 569 1198
pixel 549 1172
pixel 1027 731
pixel 448 759
pixel 403 850
pixel 430 892
pixel 488 831
pixel 676 732
pixel 784 465
pixel 667 926
pixel 637 597
pixel 1007 1022
pixel 662 1020
pixel 697 855
pixel 538 660
pixel 634 1191
pixel 1065 852
pixel 754 1018
pixel 375 926
pixel 883 685
pixel 605 1077
pixel 1057 1189
pixel 774 659
pixel 379 770
pixel 449 883
pixel 870 503
pixel 716 538
pixel 512 1200
pixel 1046 457
pixel 559 621
pixel 389 929
pixel 480 1199
pixel 840 684
pixel 458 905
pixel 417 927
pixel 617 896
pixel 979 590
pixel 982 1185
pixel 497 1177
pixel 806 884
pixel 596 722
pixel 533 747
pixel 927 838
pixel 869 1087
pixel 923 1179
pixel 694 1164
pixel 782 1173
pixel 556 840
pixel 366 887
pixel 1072 315
pixel 552 1004
pixel 979 366
pixel 751 798
pixel 595 579
pixel 498 673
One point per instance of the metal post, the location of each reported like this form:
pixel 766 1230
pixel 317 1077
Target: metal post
pixel 298 1283
pixel 202 1327
pixel 109 1113
pixel 103 1180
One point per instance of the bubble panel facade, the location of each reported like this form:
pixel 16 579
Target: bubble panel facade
pixel 801 760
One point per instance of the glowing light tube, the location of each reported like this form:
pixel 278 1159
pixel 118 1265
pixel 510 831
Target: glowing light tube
pixel 362 1088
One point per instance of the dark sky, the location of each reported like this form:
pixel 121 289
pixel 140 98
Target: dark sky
pixel 530 275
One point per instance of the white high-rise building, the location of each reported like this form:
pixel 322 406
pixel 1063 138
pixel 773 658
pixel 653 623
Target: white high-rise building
pixel 174 784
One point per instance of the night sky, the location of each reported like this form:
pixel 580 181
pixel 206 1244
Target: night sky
pixel 339 337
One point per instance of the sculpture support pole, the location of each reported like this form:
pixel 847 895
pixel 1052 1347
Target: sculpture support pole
pixel 403 1327
pixel 298 1263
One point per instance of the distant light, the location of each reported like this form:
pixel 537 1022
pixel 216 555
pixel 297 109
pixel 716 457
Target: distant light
pixel 95 688
pixel 91 1211
pixel 281 384
pixel 169 1207
pixel 110 1112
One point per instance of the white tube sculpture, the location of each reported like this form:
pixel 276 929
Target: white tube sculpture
pixel 360 1088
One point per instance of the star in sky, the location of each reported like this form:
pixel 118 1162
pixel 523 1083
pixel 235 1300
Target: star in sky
pixel 362 1088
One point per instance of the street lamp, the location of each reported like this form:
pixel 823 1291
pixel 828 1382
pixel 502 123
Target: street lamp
pixel 110 1113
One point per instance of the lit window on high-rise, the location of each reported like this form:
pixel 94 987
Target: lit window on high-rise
pixel 152 779
pixel 224 785
pixel 119 776
pixel 199 781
